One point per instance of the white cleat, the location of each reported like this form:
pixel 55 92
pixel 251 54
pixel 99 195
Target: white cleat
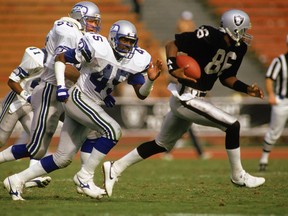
pixel 38 182
pixel 87 186
pixel 109 178
pixel 14 186
pixel 249 181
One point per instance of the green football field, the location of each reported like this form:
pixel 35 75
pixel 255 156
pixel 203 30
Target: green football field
pixel 180 187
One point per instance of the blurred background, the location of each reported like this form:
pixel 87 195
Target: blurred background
pixel 26 23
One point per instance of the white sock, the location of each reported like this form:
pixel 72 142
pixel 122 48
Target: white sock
pixel 127 160
pixel 264 158
pixel 32 172
pixel 84 157
pixel 32 162
pixel 94 160
pixel 6 155
pixel 234 156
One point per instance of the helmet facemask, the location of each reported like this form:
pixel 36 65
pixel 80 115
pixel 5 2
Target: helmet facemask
pixel 127 48
pixel 125 31
pixel 85 20
pixel 86 13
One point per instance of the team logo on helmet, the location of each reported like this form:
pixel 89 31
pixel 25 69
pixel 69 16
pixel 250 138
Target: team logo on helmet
pixel 115 28
pixel 238 20
pixel 80 8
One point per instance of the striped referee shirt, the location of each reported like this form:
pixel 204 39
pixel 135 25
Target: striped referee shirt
pixel 277 71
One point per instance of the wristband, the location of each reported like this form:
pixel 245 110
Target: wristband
pixel 146 88
pixel 171 63
pixel 240 86
pixel 24 94
pixel 60 73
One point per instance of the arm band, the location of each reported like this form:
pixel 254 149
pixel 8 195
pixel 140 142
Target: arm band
pixel 171 63
pixel 146 88
pixel 24 94
pixel 60 73
pixel 240 86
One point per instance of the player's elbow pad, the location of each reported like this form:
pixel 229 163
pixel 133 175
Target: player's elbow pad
pixel 146 88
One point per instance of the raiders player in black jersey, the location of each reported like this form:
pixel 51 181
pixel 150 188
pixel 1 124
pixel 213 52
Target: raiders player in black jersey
pixel 219 52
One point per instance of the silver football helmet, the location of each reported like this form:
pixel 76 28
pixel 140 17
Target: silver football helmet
pixel 235 23
pixel 120 29
pixel 85 10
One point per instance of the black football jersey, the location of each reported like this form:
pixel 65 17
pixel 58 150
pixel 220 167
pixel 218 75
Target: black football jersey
pixel 216 59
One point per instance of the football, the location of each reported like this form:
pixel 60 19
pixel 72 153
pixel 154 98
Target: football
pixel 193 70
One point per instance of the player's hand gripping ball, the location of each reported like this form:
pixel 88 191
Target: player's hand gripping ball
pixel 193 71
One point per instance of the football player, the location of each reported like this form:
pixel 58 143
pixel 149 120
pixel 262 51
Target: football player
pixel 16 106
pixel 47 96
pixel 219 52
pixel 104 64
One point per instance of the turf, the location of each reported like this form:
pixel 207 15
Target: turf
pixel 157 187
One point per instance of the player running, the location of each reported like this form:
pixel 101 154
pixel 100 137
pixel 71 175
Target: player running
pixel 219 53
pixel 16 105
pixel 104 64
pixel 47 96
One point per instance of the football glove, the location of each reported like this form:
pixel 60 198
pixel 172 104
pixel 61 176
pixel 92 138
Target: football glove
pixel 109 101
pixel 62 93
pixel 29 99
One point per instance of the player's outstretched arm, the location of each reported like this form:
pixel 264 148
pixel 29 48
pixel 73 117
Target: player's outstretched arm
pixel 252 90
pixel 153 71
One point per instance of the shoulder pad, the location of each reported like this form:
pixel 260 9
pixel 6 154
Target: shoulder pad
pixel 141 58
pixel 71 20
pixel 99 43
pixel 34 54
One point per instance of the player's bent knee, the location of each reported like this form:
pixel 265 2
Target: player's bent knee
pixel 234 128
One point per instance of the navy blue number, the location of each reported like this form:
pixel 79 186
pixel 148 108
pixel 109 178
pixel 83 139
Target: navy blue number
pixel 59 23
pixel 101 79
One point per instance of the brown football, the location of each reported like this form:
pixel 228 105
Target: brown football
pixel 193 70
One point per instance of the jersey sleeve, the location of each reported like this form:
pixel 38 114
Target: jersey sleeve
pixel 65 36
pixel 32 62
pixel 136 79
pixel 90 44
pixel 70 57
pixel 184 40
pixel 141 60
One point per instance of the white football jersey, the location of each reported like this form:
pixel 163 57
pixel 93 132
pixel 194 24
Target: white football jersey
pixel 30 68
pixel 64 35
pixel 100 70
